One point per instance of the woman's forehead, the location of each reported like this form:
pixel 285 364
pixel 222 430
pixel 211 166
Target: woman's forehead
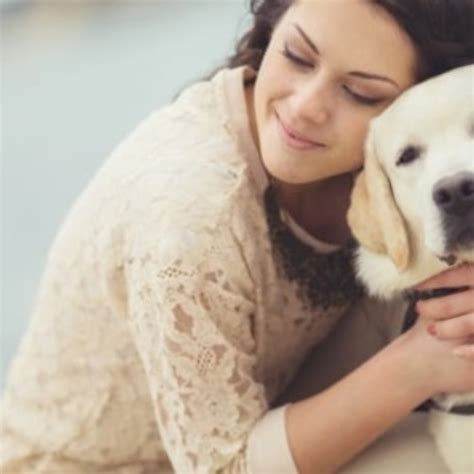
pixel 356 34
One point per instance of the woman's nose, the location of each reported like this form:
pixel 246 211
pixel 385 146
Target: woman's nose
pixel 312 102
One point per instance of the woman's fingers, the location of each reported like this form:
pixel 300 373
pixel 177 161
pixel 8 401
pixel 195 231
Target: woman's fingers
pixel 462 275
pixel 461 327
pixel 447 307
pixel 451 317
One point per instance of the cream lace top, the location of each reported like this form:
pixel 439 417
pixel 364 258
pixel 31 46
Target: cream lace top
pixel 164 328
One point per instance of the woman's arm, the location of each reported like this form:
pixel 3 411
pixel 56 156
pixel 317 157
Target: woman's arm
pixel 327 430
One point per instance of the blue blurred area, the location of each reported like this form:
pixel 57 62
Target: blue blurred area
pixel 76 78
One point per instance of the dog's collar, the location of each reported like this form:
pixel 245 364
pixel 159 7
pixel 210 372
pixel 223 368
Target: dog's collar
pixel 456 410
pixel 416 295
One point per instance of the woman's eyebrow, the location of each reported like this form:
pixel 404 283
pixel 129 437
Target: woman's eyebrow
pixel 363 75
pixel 306 38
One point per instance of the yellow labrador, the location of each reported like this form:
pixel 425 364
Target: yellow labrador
pixel 412 212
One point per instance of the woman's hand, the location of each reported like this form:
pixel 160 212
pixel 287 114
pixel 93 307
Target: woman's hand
pixel 451 317
pixel 434 363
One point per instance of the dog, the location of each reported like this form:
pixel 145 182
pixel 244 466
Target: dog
pixel 412 213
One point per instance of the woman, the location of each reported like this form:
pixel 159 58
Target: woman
pixel 210 253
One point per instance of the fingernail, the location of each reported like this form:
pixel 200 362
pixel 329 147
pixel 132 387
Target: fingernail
pixel 432 329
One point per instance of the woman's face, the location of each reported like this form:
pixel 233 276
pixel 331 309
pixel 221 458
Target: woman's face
pixel 330 67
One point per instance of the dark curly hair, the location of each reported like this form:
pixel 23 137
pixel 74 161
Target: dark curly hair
pixel 441 30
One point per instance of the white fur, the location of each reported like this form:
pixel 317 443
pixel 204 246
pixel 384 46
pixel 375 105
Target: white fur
pixel 438 116
pixel 453 435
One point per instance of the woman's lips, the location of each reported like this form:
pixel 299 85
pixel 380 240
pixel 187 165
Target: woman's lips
pixel 294 139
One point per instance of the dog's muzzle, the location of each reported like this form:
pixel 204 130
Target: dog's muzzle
pixel 454 198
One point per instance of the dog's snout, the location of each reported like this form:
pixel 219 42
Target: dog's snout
pixel 455 195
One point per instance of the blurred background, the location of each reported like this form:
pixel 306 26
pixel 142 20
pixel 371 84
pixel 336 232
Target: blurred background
pixel 76 78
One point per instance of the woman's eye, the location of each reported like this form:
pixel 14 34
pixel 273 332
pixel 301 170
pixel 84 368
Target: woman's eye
pixel 294 58
pixel 362 99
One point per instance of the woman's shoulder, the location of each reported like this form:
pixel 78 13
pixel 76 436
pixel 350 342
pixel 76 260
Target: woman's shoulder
pixel 185 147
pixel 203 105
pixel 193 129
pixel 179 171
pixel 186 121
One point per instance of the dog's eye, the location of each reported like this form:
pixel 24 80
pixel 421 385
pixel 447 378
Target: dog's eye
pixel 409 154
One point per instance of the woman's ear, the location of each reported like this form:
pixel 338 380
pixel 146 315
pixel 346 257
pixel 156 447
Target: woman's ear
pixel 373 215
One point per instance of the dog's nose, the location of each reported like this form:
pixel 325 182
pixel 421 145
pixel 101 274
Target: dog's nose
pixel 455 195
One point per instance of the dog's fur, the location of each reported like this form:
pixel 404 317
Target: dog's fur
pixel 412 211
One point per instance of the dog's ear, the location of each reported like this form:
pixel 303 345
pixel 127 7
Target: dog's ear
pixel 361 218
pixel 373 215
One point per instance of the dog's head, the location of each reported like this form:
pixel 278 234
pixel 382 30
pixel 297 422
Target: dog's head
pixel 412 207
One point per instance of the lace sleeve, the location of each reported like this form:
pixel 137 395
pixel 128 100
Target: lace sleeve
pixel 192 324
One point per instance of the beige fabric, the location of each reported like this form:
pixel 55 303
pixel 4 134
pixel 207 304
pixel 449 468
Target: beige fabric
pixel 371 325
pixel 269 451
pixel 163 328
